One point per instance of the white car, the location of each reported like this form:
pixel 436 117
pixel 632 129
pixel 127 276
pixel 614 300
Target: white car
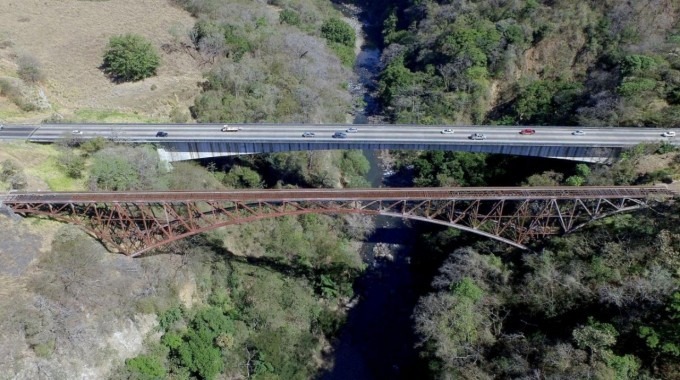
pixel 352 130
pixel 447 131
pixel 578 132
pixel 76 132
pixel 668 134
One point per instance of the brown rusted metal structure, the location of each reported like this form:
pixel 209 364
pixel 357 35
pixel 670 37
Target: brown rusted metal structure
pixel 136 222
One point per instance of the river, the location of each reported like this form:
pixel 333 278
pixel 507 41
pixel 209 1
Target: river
pixel 377 341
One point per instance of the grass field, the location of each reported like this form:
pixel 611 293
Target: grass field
pixel 68 37
pixel 39 163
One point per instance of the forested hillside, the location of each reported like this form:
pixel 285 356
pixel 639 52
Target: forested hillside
pixel 594 63
pixel 269 64
pixel 601 303
pixel 266 300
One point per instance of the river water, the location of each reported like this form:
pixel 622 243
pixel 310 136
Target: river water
pixel 377 342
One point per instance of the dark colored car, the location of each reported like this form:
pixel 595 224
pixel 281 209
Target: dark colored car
pixel 339 135
pixel 527 131
pixel 161 134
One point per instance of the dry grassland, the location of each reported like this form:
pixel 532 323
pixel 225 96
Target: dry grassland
pixel 69 37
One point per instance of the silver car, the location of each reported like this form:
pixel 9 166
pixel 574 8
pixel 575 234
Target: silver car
pixel 477 136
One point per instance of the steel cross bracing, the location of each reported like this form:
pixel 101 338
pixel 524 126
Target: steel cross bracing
pixel 136 222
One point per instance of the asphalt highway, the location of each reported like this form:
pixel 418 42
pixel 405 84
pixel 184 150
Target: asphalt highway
pixel 373 133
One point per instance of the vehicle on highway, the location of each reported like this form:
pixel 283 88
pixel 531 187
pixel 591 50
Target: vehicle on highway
pixel 339 135
pixel 668 134
pixel 578 132
pixel 447 131
pixel 161 134
pixel 227 128
pixel 308 134
pixel 477 136
pixel 76 132
pixel 1 127
pixel 527 131
pixel 352 130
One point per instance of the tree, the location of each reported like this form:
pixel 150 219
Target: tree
pixel 145 367
pixel 242 177
pixel 130 58
pixel 336 30
pixel 72 163
pixel 30 69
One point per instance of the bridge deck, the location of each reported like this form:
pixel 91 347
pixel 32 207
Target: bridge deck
pixel 455 193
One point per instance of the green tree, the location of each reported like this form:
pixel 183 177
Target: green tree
pixel 664 336
pixel 111 173
pixel 242 177
pixel 595 336
pixel 144 367
pixel 130 57
pixel 336 30
pixel 635 64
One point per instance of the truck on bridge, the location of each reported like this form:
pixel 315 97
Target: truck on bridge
pixel 227 128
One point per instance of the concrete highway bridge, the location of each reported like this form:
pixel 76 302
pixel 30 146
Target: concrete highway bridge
pixel 137 222
pixel 179 142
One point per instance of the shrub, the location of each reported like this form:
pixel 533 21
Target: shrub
pixel 637 64
pixel 336 30
pixel 130 58
pixel 636 86
pixel 290 17
pixel 29 69
pixel 8 168
pixel 13 92
pixel 72 163
pixel 146 367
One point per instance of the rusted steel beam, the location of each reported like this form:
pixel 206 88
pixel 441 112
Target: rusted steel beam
pixel 398 194
pixel 137 222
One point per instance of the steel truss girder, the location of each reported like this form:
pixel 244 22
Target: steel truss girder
pixel 135 227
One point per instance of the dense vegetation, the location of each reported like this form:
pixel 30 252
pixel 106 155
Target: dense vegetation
pixel 271 70
pixel 601 303
pixel 589 305
pixel 532 62
pixel 261 316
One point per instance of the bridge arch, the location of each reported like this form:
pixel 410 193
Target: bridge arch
pixel 135 223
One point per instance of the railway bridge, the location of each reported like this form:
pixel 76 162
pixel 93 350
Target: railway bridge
pixel 136 222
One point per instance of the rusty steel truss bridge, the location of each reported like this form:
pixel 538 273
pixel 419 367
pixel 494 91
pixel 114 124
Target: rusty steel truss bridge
pixel 136 222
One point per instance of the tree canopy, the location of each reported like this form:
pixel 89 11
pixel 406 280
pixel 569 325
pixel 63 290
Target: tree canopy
pixel 130 57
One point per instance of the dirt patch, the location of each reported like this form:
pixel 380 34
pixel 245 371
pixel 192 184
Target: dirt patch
pixel 69 37
pixel 654 162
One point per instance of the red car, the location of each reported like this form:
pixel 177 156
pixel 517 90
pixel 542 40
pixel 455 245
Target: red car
pixel 527 131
